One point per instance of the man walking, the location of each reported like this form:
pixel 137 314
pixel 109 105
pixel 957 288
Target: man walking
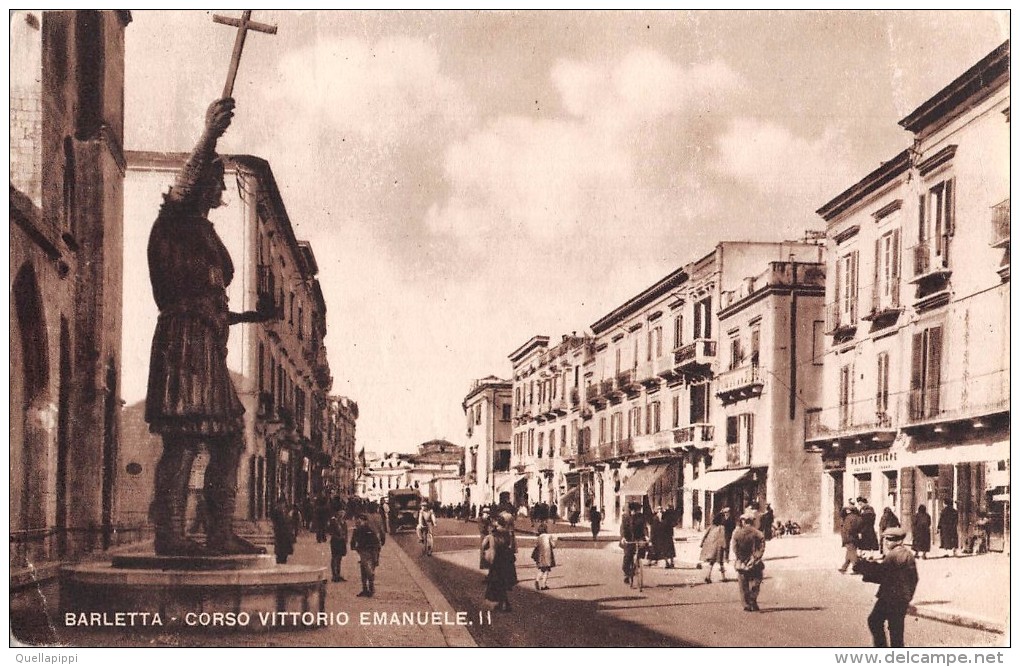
pixel 949 536
pixel 896 576
pixel 851 534
pixel 366 542
pixel 748 551
pixel 337 530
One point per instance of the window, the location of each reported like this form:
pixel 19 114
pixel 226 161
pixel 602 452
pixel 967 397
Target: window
pixel 478 415
pixel 653 418
pixel 739 439
pixel 678 331
pixel 936 220
pixel 616 427
pixel 925 373
pixel 846 288
pixel 845 394
pixel 577 376
pixel 700 403
pixel 552 443
pixel 619 359
pixel 887 270
pixel 602 430
pixel 563 440
pixel 818 343
pixel 736 355
pixel 634 421
pixel 300 323
pixel 676 411
pixel 703 318
pixel 506 412
pixel 637 350
pixel 882 390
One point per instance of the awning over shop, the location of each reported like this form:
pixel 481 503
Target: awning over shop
pixel 643 479
pixel 717 480
pixel 508 483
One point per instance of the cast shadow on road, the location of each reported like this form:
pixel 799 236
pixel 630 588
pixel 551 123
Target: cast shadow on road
pixel 768 558
pixel 769 610
pixel 537 619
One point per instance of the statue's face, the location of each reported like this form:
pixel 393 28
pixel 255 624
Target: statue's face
pixel 213 186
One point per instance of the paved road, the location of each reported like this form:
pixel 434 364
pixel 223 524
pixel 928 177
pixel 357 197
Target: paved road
pixel 589 605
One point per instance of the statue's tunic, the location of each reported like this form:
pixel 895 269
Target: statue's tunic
pixel 190 390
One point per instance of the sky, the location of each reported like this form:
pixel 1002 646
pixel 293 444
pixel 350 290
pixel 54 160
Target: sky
pixel 471 179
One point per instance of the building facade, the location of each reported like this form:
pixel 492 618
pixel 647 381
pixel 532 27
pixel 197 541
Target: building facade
pixel 437 472
pixel 633 412
pixel 488 410
pixel 66 225
pixel 915 408
pixel 341 422
pixel 279 367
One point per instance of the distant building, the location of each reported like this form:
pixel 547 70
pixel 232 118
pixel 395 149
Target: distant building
pixel 488 411
pixel 341 427
pixel 383 473
pixel 436 472
pixel 915 407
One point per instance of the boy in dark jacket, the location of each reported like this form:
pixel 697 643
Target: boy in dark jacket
pixel 366 543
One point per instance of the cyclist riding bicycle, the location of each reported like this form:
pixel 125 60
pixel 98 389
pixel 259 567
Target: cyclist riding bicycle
pixel 426 524
pixel 633 535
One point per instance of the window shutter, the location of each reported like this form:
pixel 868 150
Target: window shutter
pixel 697 320
pixel 854 263
pixel 921 231
pixel 877 284
pixel 895 269
pixel 949 200
pixel 731 430
pixel 933 373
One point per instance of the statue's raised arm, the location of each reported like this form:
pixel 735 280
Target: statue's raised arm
pixel 192 185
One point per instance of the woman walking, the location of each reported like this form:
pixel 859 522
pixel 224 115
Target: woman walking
pixel 663 547
pixel 502 570
pixel 921 532
pixel 888 520
pixel 544 556
pixel 713 547
pixel 596 522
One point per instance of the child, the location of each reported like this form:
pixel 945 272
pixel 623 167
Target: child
pixel 544 556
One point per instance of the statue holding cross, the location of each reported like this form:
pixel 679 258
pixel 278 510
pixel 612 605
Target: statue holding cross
pixel 191 400
pixel 243 25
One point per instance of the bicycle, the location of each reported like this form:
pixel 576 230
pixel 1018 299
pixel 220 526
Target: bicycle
pixel 637 577
pixel 426 539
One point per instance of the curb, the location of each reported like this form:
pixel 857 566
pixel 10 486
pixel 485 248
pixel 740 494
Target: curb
pixel 958 618
pixel 456 636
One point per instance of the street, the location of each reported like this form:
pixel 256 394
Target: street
pixel 588 604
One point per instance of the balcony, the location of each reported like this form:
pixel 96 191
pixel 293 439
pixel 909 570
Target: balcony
pixel 739 383
pixel 593 395
pixel 626 382
pixel 558 407
pixel 696 436
pixel 841 319
pixel 648 373
pixel 607 388
pixel 1000 236
pixel 931 274
pixel 975 402
pixel 849 425
pixel 885 308
pixel 575 397
pixel 695 358
pixel 1000 225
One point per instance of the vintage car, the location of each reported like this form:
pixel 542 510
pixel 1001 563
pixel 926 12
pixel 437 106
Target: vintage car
pixel 404 505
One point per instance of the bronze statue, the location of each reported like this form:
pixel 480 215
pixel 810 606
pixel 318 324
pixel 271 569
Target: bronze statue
pixel 191 399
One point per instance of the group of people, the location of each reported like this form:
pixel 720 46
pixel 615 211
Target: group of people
pixel 367 537
pixel 742 538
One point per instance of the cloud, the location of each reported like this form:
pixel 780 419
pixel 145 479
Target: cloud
pixel 776 161
pixel 387 91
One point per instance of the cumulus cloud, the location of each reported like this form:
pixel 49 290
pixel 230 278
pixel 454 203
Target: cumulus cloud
pixel 384 91
pixel 776 161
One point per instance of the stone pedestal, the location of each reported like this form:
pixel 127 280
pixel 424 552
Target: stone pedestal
pixel 185 592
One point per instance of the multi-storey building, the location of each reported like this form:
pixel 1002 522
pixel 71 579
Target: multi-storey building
pixel 382 473
pixel 634 406
pixel 488 411
pixel 547 420
pixel 436 472
pixel 341 425
pixel 66 222
pixel 769 371
pixel 916 403
pixel 279 367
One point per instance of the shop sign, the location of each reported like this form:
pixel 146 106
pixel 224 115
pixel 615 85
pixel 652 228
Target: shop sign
pixel 832 465
pixel 883 460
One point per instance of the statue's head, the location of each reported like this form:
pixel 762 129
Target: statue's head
pixel 212 185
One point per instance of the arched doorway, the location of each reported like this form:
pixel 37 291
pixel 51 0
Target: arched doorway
pixel 31 408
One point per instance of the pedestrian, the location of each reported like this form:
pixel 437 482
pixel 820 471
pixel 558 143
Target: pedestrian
pixel 322 516
pixel 896 576
pixel 888 520
pixel 729 525
pixel 375 522
pixel 662 537
pixel 574 516
pixel 768 519
pixel 544 555
pixel 921 532
pixel 696 515
pixel 283 531
pixel 633 530
pixel 713 547
pixel 596 521
pixel 869 538
pixel 337 530
pixel 500 554
pixel 748 552
pixel 981 534
pixel 948 528
pixel 485 526
pixel 296 520
pixel 850 532
pixel 366 542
